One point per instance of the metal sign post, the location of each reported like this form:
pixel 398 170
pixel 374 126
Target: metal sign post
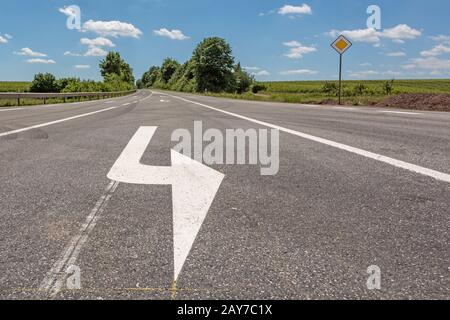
pixel 341 45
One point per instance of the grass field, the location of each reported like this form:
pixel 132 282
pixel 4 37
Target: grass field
pixel 312 91
pixel 6 86
pixel 299 91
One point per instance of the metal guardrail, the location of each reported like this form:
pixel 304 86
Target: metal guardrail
pixel 64 96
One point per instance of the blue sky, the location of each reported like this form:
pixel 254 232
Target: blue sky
pixel 275 40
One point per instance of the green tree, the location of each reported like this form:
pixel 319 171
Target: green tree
pixel 114 64
pixel 44 83
pixel 150 77
pixel 213 65
pixel 168 68
pixel 114 82
pixel 242 79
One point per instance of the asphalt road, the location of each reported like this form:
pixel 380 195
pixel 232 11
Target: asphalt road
pixel 356 187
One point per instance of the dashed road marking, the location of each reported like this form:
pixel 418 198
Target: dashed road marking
pixel 402 112
pixel 54 280
pixel 54 122
pixel 7 133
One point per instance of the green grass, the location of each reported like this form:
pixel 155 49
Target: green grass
pixel 33 102
pixel 11 86
pixel 400 86
pixel 311 91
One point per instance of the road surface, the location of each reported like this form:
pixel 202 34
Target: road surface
pixel 356 187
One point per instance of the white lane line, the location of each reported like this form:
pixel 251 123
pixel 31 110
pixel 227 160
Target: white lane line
pixel 15 109
pixel 54 280
pixel 3 134
pixel 54 122
pixel 402 112
pixel 346 108
pixel 126 104
pixel 146 98
pixel 378 157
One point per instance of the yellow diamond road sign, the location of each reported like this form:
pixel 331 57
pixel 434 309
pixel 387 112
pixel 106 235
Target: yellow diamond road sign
pixel 341 44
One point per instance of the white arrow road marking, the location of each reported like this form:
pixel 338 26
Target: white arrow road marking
pixel 194 187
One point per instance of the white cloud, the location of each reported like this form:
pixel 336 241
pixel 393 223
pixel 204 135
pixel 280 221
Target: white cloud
pixel 43 61
pixel 69 53
pixel 95 52
pixel 292 44
pixel 5 38
pixel 261 73
pixel 396 54
pixel 97 42
pixel 436 51
pixel 82 66
pixel 362 74
pixel 429 63
pixel 392 73
pixel 257 71
pixel 365 64
pixel 360 35
pixel 252 68
pixel 441 38
pixel 171 34
pixel 398 34
pixel 298 72
pixel 401 33
pixel 295 10
pixel 68 11
pixel 112 29
pixel 438 73
pixel 297 50
pixel 30 53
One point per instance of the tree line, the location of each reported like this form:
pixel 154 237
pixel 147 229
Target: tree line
pixel 212 68
pixel 117 76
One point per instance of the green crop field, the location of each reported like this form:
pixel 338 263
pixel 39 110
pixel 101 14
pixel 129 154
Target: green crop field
pixel 10 86
pixel 362 92
pixel 373 87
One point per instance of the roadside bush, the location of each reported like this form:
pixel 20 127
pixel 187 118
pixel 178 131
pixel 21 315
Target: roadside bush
pixel 44 83
pixel 330 88
pixel 257 87
pixel 388 86
pixel 359 89
pixel 242 80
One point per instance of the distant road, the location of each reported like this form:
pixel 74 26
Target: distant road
pixel 357 187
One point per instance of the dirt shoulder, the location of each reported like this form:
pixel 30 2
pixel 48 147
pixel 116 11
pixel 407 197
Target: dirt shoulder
pixel 418 101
